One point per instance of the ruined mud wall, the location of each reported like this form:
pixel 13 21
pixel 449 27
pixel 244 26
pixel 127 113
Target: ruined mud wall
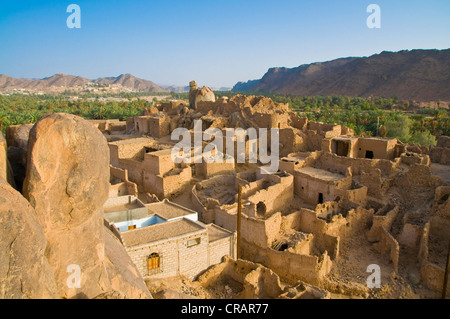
pixel 441 152
pixel 431 274
pixel 440 155
pixel 289 266
pixel 199 208
pixel 134 169
pixel 374 183
pixel 309 187
pixel 275 197
pixel 210 169
pixel 357 195
pixel 327 235
pixel 122 189
pixel 163 186
pixel 158 164
pixel 291 140
pixel 381 148
pixel 259 232
pixel 388 244
pixel 118 173
pixel 298 122
pixel 340 164
pixel 383 219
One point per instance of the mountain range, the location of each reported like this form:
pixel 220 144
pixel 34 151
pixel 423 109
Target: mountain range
pixel 421 75
pixel 66 81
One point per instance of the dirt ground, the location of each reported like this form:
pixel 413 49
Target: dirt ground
pixel 180 287
pixel 349 273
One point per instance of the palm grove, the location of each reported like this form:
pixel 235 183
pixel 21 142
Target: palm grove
pixel 386 117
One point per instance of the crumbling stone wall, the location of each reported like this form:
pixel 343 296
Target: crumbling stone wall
pixel 291 267
pixel 383 219
pixel 118 173
pixel 158 162
pixel 440 155
pixel 356 196
pixel 414 158
pixel 431 274
pixel 388 244
pixel 128 149
pixel 274 197
pixel 291 140
pixel 374 183
pixel 210 169
pixel 381 148
pixel 358 165
pixel 308 187
pixel 163 186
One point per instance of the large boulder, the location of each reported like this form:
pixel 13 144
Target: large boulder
pixel 24 270
pixel 122 272
pixel 55 245
pixel 197 94
pixel 67 177
pixel 67 182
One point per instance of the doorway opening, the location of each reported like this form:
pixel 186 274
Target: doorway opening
pixel 320 201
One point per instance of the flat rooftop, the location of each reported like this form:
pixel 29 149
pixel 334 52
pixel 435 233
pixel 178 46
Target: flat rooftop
pixel 121 207
pixel 344 138
pixel 168 210
pixel 163 152
pixel 320 174
pixel 133 140
pixel 296 157
pixel 215 232
pixel 156 232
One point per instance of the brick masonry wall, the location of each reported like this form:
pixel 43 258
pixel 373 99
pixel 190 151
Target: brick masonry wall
pixel 175 257
pixel 218 249
pixel 119 173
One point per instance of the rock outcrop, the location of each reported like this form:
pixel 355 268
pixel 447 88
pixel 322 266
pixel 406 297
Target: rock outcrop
pixel 67 183
pixel 3 158
pixel 122 272
pixel 197 94
pixel 24 270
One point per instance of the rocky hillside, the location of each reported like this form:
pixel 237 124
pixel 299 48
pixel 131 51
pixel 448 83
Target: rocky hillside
pixel 65 81
pixel 57 80
pixel 421 75
pixel 131 82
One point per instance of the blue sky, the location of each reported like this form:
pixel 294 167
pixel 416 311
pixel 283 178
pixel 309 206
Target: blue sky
pixel 216 43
